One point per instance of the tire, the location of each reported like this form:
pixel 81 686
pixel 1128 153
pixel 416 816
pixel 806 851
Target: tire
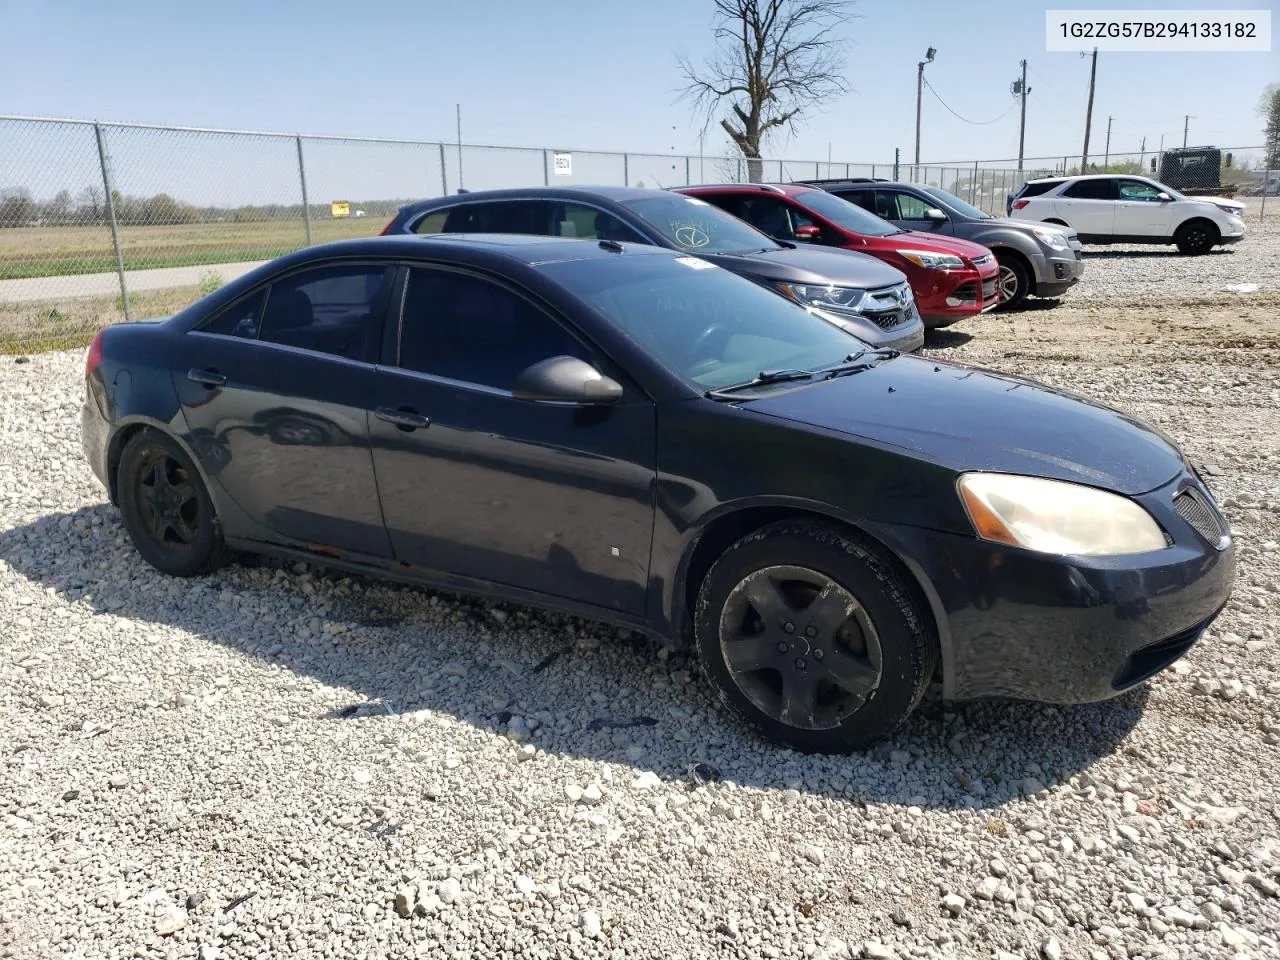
pixel 166 508
pixel 759 597
pixel 1196 237
pixel 1014 282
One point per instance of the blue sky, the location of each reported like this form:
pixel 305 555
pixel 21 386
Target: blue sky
pixel 594 74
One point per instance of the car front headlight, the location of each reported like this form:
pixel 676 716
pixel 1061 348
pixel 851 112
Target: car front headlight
pixel 933 261
pixel 1052 516
pixel 1234 211
pixel 825 297
pixel 1053 239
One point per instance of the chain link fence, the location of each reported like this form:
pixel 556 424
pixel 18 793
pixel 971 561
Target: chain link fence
pixel 101 222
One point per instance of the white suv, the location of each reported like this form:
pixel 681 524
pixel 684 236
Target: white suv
pixel 1110 208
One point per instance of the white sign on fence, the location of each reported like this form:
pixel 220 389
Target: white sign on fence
pixel 562 164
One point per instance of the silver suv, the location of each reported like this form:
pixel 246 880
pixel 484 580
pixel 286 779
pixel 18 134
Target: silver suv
pixel 1035 259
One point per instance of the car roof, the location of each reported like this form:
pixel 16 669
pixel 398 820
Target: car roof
pixel 517 248
pixel 787 189
pixel 586 191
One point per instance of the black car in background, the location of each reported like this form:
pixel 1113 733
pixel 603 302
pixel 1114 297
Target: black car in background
pixel 869 299
pixel 639 436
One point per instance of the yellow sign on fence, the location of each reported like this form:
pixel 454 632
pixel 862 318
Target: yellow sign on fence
pixel 340 208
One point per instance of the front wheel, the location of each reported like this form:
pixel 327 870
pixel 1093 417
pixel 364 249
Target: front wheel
pixel 813 638
pixel 166 508
pixel 1196 237
pixel 1014 282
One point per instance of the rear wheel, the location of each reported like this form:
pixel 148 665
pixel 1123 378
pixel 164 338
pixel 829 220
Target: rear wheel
pixel 1015 280
pixel 813 638
pixel 166 508
pixel 1196 237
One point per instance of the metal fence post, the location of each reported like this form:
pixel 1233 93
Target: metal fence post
pixel 546 177
pixel 1266 186
pixel 444 173
pixel 973 190
pixel 895 163
pixel 687 181
pixel 626 171
pixel 111 219
pixel 302 178
pixel 873 171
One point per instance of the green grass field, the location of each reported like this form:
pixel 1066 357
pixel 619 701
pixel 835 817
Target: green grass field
pixel 62 324
pixel 62 251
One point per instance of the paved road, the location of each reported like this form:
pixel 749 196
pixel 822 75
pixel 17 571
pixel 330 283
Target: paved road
pixel 108 284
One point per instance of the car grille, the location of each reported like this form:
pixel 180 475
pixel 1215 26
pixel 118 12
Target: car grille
pixel 988 289
pixel 1192 508
pixel 889 307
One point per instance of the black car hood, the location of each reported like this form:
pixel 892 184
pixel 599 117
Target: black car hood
pixel 966 418
pixel 843 268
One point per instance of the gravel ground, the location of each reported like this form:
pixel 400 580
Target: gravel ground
pixel 1129 273
pixel 279 761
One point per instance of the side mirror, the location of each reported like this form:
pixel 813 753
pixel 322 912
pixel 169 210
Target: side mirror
pixel 566 380
pixel 1164 197
pixel 935 214
pixel 808 233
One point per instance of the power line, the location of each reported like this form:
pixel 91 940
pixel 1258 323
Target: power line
pixel 976 123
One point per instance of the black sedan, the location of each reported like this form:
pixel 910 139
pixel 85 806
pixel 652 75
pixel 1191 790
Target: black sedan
pixel 867 297
pixel 642 437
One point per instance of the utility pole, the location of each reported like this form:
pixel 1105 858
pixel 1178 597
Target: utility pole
pixel 1021 89
pixel 458 108
pixel 1186 122
pixel 1142 155
pixel 1106 157
pixel 1088 116
pixel 928 58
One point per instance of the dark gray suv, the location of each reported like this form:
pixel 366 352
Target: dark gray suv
pixel 858 293
pixel 1036 259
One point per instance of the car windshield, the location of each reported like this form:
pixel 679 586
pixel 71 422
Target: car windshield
pixel 694 225
pixel 956 204
pixel 846 215
pixel 702 322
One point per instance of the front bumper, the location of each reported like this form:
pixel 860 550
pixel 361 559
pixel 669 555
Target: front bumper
pixel 956 294
pixel 1058 272
pixel 1067 630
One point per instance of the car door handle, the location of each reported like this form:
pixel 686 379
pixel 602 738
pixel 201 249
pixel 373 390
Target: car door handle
pixel 405 418
pixel 207 378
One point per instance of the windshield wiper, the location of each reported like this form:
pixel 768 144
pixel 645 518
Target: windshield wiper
pixel 762 378
pixel 855 362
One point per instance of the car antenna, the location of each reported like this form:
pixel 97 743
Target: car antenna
pixel 613 246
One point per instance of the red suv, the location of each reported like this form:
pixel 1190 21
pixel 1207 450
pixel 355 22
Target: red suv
pixel 951 278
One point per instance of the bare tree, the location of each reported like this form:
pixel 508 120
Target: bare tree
pixel 776 60
pixel 90 209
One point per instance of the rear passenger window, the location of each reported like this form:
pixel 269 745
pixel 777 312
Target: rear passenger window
pixel 468 329
pixel 1091 190
pixel 335 310
pixel 238 320
pixel 866 199
pixel 500 216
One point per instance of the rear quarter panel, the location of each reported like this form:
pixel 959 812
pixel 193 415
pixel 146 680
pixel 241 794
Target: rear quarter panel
pixel 137 386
